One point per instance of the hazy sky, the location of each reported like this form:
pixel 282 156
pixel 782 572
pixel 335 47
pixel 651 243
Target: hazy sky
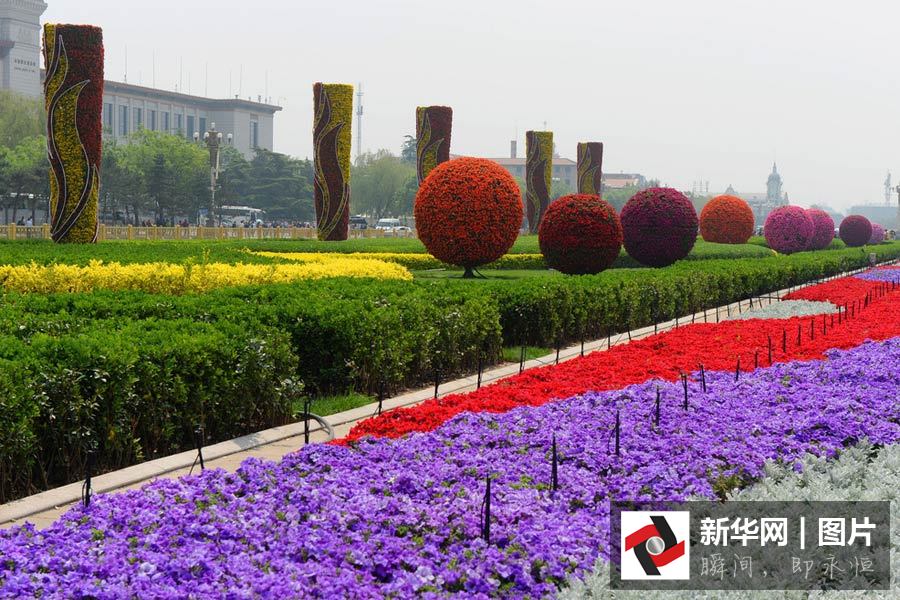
pixel 681 91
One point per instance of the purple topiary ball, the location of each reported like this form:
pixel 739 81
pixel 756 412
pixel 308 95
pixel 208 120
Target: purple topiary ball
pixel 788 229
pixel 659 226
pixel 877 234
pixel 824 229
pixel 856 230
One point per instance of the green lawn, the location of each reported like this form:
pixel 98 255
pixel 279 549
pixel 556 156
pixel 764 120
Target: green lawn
pixel 329 405
pixel 514 353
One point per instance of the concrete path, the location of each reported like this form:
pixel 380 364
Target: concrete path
pixel 272 444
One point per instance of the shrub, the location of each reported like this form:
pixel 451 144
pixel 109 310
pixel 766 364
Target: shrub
pixel 580 234
pixel 823 231
pixel 659 226
pixel 727 220
pixel 468 212
pixel 333 115
pixel 788 229
pixel 877 234
pixel 856 230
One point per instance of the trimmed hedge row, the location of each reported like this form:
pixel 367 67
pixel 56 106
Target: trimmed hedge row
pixel 134 373
pixel 131 392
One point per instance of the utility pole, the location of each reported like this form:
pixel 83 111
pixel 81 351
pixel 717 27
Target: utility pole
pixel 359 116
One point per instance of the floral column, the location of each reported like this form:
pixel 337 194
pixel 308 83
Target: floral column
pixel 538 165
pixel 433 125
pixel 590 167
pixel 333 105
pixel 73 92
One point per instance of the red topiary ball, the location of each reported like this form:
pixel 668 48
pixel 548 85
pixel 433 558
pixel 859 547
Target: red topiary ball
pixel 824 229
pixel 468 211
pixel 659 226
pixel 727 220
pixel 856 230
pixel 877 234
pixel 580 234
pixel 788 229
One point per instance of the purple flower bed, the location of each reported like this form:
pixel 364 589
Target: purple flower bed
pixel 883 274
pixel 401 516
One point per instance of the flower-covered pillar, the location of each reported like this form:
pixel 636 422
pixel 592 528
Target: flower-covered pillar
pixel 333 107
pixel 590 167
pixel 538 169
pixel 433 125
pixel 73 93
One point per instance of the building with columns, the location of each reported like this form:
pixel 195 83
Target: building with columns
pixel 128 107
pixel 20 46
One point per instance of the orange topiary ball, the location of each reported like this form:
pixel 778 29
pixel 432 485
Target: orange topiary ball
pixel 726 220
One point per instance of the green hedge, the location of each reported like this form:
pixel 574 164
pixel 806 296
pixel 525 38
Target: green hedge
pixel 133 373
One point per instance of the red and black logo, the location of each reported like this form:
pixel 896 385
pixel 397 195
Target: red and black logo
pixel 654 545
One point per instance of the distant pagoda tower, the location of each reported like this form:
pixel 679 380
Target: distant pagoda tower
pixel 773 188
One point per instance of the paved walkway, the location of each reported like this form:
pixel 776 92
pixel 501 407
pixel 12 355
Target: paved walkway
pixel 272 444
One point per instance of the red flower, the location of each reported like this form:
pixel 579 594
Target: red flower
pixel 468 211
pixel 726 220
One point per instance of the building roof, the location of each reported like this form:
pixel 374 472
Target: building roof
pixel 118 87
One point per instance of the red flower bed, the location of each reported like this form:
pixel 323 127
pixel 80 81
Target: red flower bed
pixel 468 211
pixel 726 220
pixel 841 292
pixel 665 356
pixel 579 234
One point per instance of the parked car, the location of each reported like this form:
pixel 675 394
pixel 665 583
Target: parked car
pixel 358 222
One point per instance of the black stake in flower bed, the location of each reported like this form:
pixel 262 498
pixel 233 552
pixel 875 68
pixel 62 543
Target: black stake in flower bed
pixel 381 391
pixel 702 378
pixel 770 349
pixel 812 329
pixel 799 333
pixel 554 469
pixel 582 342
pixel 617 431
pixel 522 360
pixel 480 369
pixel 839 315
pixel 437 380
pixel 756 359
pixel 737 370
pixel 608 338
pixel 684 383
pixel 86 489
pixel 558 344
pixel 198 443
pixel 486 503
pixel 657 406
pixel 306 410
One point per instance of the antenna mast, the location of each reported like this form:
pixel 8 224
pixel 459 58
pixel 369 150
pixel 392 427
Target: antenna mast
pixel 359 116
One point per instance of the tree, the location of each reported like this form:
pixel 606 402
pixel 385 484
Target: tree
pixel 276 183
pixel 378 184
pixel 161 187
pixel 24 170
pixel 408 150
pixel 21 117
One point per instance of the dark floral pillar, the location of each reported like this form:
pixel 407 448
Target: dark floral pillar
pixel 333 105
pixel 73 92
pixel 538 170
pixel 433 125
pixel 590 167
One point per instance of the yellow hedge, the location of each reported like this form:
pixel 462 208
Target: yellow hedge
pixel 416 261
pixel 168 278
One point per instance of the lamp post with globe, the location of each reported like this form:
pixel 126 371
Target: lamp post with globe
pixel 213 140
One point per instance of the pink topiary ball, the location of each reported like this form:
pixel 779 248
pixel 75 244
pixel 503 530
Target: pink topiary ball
pixel 788 229
pixel 877 234
pixel 824 229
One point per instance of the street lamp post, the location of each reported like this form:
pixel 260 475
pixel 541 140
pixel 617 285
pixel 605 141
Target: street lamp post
pixel 212 139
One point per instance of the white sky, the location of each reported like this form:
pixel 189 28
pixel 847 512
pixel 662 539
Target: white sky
pixel 678 90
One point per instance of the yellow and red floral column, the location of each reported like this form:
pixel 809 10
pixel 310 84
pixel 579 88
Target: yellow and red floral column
pixel 538 165
pixel 433 125
pixel 590 167
pixel 73 91
pixel 333 105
